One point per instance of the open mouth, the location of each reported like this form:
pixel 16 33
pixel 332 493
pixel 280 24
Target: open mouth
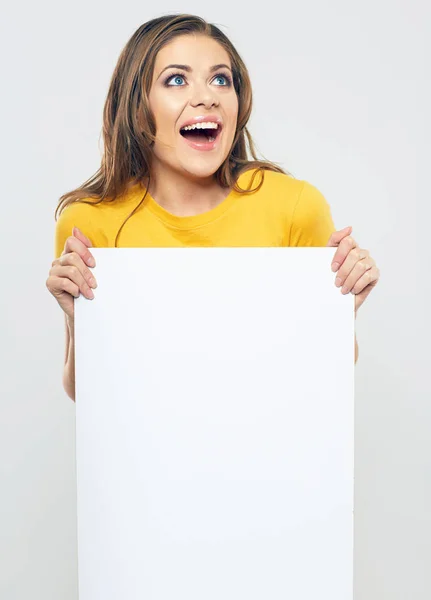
pixel 201 134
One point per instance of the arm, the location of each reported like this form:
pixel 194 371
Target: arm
pixel 80 215
pixel 69 361
pixel 356 345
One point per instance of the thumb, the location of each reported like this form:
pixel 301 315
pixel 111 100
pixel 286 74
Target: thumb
pixel 76 232
pixel 337 236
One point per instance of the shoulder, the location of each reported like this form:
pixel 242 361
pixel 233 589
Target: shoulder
pixel 280 189
pixel 299 192
pixel 82 214
pixel 296 208
pixel 296 197
pixel 98 220
pixel 311 223
pixel 301 206
pixel 310 202
pixel 272 181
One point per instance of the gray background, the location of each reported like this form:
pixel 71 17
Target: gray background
pixel 341 99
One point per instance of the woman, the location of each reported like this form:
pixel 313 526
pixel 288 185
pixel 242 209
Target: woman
pixel 175 170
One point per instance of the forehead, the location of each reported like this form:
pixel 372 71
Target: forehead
pixel 198 51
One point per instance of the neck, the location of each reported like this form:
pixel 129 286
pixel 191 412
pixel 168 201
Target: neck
pixel 182 195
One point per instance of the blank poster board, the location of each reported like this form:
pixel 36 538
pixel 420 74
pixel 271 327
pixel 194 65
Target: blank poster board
pixel 214 426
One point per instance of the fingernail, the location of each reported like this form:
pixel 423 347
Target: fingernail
pixel 335 266
pixel 93 282
pixel 91 262
pixel 338 282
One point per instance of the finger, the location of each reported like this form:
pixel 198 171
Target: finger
pixel 337 236
pixel 72 273
pixel 359 269
pixel 346 245
pixel 84 239
pixel 355 255
pixel 73 258
pixel 369 277
pixel 57 285
pixel 73 244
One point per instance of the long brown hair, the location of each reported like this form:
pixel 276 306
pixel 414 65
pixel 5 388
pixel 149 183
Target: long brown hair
pixel 128 124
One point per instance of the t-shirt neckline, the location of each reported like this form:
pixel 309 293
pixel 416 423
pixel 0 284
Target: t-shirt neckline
pixel 188 222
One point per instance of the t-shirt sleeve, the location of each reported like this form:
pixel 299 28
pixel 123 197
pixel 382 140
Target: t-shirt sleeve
pixel 312 223
pixel 78 215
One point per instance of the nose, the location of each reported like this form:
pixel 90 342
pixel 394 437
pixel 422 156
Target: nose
pixel 203 94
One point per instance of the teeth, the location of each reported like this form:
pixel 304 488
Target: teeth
pixel 208 125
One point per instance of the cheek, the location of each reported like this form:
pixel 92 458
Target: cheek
pixel 232 109
pixel 166 109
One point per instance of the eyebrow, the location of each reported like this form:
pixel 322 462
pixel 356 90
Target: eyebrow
pixel 189 69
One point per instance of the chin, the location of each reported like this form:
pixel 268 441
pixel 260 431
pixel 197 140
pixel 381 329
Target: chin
pixel 202 168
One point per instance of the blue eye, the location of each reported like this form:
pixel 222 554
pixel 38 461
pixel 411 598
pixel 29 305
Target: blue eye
pixel 176 76
pixel 224 77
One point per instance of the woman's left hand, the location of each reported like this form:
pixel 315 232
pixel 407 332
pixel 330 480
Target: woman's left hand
pixel 356 270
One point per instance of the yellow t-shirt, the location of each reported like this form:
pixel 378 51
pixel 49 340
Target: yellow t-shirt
pixel 284 212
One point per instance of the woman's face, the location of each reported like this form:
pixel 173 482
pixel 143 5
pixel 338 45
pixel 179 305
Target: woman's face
pixel 201 88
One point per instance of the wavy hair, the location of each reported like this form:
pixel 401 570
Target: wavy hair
pixel 129 126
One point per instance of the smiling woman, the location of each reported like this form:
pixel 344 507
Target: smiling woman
pixel 175 135
pixel 193 92
pixel 179 166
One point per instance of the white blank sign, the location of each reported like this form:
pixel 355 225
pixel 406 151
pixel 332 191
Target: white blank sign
pixel 214 426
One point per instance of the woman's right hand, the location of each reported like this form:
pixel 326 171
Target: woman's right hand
pixel 69 274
